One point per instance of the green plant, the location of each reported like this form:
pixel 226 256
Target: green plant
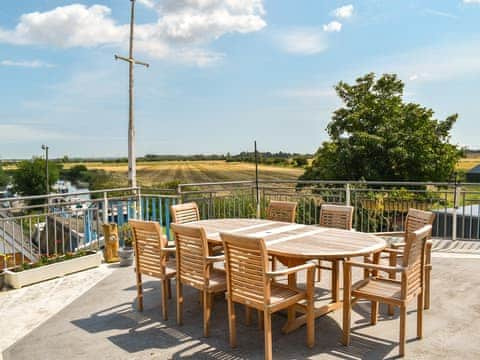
pixel 125 233
pixel 47 260
pixel 377 135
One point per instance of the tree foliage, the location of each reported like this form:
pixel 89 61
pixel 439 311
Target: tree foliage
pixel 4 178
pixel 375 135
pixel 29 178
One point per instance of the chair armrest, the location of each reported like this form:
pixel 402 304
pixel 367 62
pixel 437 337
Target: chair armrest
pixel 376 267
pixel 214 259
pixel 390 233
pixel 398 245
pixel 290 270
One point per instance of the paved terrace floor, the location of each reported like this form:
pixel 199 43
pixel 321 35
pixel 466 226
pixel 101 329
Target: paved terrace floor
pixel 103 323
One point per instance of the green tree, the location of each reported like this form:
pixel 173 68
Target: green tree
pixel 4 178
pixel 300 161
pixel 375 135
pixel 29 178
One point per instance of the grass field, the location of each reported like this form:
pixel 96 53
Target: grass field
pixel 468 163
pixel 151 173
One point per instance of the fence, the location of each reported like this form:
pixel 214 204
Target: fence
pixel 50 226
pixel 37 226
pixel 379 206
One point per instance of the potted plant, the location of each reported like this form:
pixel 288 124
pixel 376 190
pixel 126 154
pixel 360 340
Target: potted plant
pixel 125 253
pixel 50 267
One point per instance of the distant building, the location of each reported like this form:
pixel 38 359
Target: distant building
pixel 473 175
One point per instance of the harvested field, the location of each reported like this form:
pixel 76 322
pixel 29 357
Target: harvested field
pixel 151 173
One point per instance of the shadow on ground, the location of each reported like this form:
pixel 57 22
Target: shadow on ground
pixel 148 332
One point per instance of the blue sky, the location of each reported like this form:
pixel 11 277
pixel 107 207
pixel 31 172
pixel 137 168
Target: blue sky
pixel 223 72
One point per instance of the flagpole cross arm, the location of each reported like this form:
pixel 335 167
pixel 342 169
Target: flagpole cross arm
pixel 133 61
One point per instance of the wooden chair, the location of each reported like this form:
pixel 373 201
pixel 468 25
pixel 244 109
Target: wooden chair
pixel 152 259
pixel 195 268
pixel 188 212
pixel 339 217
pixel 390 291
pixel 282 211
pixel 184 213
pixel 415 220
pixel 250 283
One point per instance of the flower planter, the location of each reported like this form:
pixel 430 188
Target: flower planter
pixel 47 272
pixel 126 256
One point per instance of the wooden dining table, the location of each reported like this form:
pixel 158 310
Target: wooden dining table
pixel 294 244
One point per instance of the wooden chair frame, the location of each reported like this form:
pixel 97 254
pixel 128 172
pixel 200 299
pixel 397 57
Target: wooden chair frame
pixel 247 258
pixel 152 259
pixel 338 217
pixel 188 212
pixel 415 219
pixel 285 211
pixel 184 213
pixel 390 291
pixel 195 268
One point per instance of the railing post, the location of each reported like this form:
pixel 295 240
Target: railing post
pixel 105 208
pixel 139 206
pixel 179 192
pixel 347 194
pixel 456 196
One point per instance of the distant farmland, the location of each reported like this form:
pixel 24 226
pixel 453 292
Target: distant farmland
pixel 151 173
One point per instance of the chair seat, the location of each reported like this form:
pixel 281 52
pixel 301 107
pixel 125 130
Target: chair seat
pixel 281 293
pixel 216 249
pixel 218 280
pixel 171 268
pixel 379 288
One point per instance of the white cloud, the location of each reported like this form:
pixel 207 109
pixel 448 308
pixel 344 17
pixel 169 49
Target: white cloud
pixel 471 1
pixel 343 12
pixel 147 3
pixel 183 29
pixel 26 64
pixel 303 41
pixel 67 26
pixel 333 26
pixel 441 13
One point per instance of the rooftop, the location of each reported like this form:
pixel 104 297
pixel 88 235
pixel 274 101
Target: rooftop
pixel 99 319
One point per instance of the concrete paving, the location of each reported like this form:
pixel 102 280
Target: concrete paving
pixel 25 309
pixel 103 323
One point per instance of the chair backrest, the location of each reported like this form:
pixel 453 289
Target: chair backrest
pixel 148 244
pixel 336 216
pixel 192 251
pixel 184 213
pixel 246 262
pixel 416 219
pixel 414 259
pixel 282 211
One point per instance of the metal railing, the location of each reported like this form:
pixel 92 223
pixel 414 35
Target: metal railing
pixel 379 206
pixel 33 227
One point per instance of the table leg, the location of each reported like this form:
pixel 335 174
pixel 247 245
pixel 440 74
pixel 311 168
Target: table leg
pixel 295 322
pixel 335 281
pixel 292 282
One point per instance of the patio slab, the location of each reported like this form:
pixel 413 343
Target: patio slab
pixel 103 323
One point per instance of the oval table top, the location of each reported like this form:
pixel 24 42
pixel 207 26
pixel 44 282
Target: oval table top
pixel 296 240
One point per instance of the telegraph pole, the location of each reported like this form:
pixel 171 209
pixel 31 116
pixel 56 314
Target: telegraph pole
pixel 132 164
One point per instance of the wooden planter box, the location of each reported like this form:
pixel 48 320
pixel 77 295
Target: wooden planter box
pixel 47 272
